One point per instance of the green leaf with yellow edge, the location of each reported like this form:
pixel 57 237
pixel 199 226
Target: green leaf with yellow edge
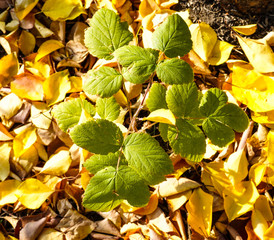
pixel 26 42
pixel 104 82
pixel 48 47
pixel 161 115
pixel 5 150
pixel 187 140
pixel 259 54
pixel 157 97
pixel 62 10
pixel 246 29
pixel 239 199
pixel 138 63
pixel 107 108
pixel 8 190
pixel 8 68
pixel 220 53
pixel 106 34
pixel 23 8
pixel 68 114
pixel 199 208
pixel 172 37
pixel 32 193
pixel 56 87
pixel 100 136
pixel 174 71
pixel 146 157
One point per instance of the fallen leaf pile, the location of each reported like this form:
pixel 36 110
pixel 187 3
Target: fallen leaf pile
pixel 229 195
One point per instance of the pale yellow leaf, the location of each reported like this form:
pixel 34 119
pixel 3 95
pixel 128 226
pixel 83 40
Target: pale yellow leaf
pixel 204 39
pixel 120 98
pixel 185 15
pixel 246 29
pixel 8 68
pixel 270 147
pixel 58 164
pixel 40 69
pixel 263 205
pixel 42 153
pixel 146 37
pixel 40 115
pixel 43 31
pixel 253 89
pixel 28 159
pixel 5 149
pixel 259 223
pixel 50 234
pixel 239 199
pixel 56 86
pixel 257 172
pixel 5 43
pixel 7 193
pixel 199 208
pixel 220 53
pixel 177 201
pixel 259 54
pixel 26 42
pixel 4 134
pixel 32 193
pixel 23 7
pixel 162 116
pixel 263 117
pixel 269 233
pixel 48 47
pixel 24 140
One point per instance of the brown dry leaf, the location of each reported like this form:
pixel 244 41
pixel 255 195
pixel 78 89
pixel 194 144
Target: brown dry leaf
pixel 50 234
pixel 106 226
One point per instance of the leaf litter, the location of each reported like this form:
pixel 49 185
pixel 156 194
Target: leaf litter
pixel 227 195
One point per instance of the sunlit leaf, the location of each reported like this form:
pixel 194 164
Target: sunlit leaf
pixel 40 115
pixel 23 8
pixel 26 42
pixel 220 53
pixel 157 97
pixel 48 47
pixel 8 68
pixel 262 204
pixel 5 149
pixel 107 108
pixel 270 147
pixel 246 29
pixel 8 190
pixel 9 105
pixel 259 223
pixel 161 115
pixel 49 234
pixel 257 172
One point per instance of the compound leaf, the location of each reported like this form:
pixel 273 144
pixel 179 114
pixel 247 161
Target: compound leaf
pixel 68 114
pixel 187 140
pixel 106 34
pixel 107 108
pixel 100 136
pixel 174 71
pixel 172 37
pixel 104 82
pixel 145 156
pixel 157 97
pixel 138 63
pixel 182 99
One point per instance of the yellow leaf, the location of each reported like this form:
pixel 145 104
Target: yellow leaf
pixel 42 153
pixel 40 115
pixel 177 201
pixel 40 69
pixel 239 199
pixel 28 86
pixel 5 149
pixel 4 133
pixel 8 68
pixel 26 42
pixel 76 84
pixel 50 234
pixel 199 208
pixel 257 172
pixel 85 178
pixel 269 233
pixel 148 6
pixel 259 54
pixel 220 53
pixel 270 146
pixel 9 106
pixel 120 98
pixel 246 30
pixel 263 117
pixel 162 116
pixel 42 30
pixel 263 205
pixel 48 47
pixel 259 223
pixel 23 7
pixel 253 89
pixel 236 167
pixel 204 39
pixel 24 140
pixel 8 190
pixel 167 3
pixel 58 164
pixel 32 193
pixel 28 159
pixel 56 86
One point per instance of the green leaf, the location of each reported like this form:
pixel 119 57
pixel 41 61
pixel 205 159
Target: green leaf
pixel 174 71
pixel 100 136
pixel 232 116
pixel 157 97
pixel 211 100
pixel 218 133
pixel 98 162
pixel 100 193
pixel 104 82
pixel 182 99
pixel 67 114
pixel 108 108
pixel 163 128
pixel 145 156
pixel 172 37
pixel 187 140
pixel 138 63
pixel 106 34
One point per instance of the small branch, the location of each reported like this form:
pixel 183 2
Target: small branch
pixel 245 136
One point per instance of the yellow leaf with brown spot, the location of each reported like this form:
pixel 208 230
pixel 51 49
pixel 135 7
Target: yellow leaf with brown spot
pixel 48 47
pixel 56 87
pixel 8 68
pixel 58 164
pixel 8 190
pixel 162 116
pixel 26 42
pixel 246 29
pixel 32 193
pixel 23 7
pixel 5 149
pixel 24 140
pixel 259 54
pixel 28 86
pixel 199 208
pixel 220 53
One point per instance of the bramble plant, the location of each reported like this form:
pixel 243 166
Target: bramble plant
pixel 124 165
